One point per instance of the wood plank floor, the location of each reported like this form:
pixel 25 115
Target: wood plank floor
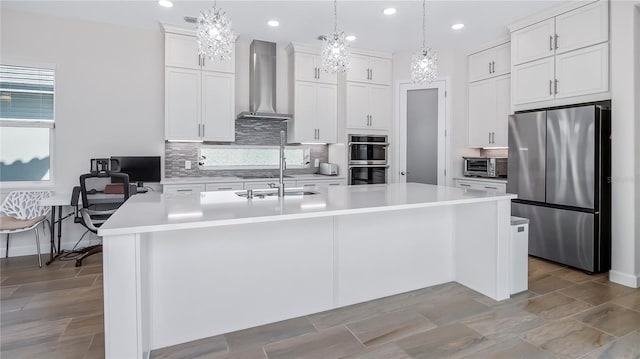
pixel 56 312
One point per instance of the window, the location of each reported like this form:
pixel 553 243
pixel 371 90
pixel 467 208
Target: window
pixel 251 157
pixel 26 124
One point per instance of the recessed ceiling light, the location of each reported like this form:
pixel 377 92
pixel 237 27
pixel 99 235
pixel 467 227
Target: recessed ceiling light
pixel 165 3
pixel 273 23
pixel 457 26
pixel 389 11
pixel 351 38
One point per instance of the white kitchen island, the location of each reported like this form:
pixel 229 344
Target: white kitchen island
pixel 183 267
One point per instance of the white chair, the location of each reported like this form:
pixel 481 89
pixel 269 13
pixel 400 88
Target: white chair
pixel 22 212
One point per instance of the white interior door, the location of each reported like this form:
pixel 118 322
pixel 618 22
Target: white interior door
pixel 421 135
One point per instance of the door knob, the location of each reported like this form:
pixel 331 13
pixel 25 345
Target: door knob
pixel 403 173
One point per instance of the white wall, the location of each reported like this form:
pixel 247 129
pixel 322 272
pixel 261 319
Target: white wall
pixel 452 67
pixel 637 141
pixel 109 92
pixel 624 136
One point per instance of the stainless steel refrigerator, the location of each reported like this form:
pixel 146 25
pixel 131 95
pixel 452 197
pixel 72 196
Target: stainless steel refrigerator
pixel 559 166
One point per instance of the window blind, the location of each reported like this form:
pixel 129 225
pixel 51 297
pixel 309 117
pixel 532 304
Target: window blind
pixel 26 93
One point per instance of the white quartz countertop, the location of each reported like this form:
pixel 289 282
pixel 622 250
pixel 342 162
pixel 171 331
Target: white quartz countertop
pixel 154 212
pixel 198 180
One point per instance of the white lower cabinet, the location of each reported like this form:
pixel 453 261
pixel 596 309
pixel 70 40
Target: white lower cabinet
pixel 265 184
pixel 183 188
pixel 321 183
pixel 485 185
pixel 231 186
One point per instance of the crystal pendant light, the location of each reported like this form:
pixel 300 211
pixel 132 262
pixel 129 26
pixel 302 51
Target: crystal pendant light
pixel 335 51
pixel 424 63
pixel 215 36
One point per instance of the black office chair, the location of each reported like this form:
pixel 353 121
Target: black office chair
pixel 95 211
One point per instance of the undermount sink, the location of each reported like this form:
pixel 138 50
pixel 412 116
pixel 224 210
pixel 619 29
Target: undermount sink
pixel 261 193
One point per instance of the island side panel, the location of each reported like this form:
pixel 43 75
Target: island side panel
pixel 481 252
pixel 385 253
pixel 124 275
pixel 216 280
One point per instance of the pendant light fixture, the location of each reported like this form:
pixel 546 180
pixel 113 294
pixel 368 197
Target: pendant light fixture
pixel 214 33
pixel 424 63
pixel 335 51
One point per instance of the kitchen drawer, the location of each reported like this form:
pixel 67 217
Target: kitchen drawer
pixel 482 185
pixel 191 188
pixel 229 186
pixel 265 184
pixel 321 183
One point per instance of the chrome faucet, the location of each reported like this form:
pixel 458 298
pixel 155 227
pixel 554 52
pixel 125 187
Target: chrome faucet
pixel 283 165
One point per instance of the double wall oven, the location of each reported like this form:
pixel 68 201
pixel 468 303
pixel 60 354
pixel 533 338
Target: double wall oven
pixel 368 163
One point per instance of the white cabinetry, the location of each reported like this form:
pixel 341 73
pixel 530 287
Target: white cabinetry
pixel 314 99
pixel 489 96
pixel 183 188
pixel 321 183
pixel 370 69
pixel 481 184
pixel 199 93
pixel 368 106
pixel 229 186
pixel 489 112
pixel 489 63
pixel 562 59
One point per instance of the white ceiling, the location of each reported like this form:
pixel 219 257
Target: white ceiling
pixel 304 20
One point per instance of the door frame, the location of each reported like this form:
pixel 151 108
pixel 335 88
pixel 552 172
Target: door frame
pixel 402 88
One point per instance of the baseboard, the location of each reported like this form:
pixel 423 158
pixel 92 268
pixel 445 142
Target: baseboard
pixel 625 279
pixel 16 250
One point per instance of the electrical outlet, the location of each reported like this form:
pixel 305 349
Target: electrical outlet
pixel 187 165
pixel 316 163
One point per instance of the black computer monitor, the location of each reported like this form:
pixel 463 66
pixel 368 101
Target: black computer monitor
pixel 140 169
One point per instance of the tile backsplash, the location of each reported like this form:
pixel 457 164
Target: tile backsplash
pixel 249 132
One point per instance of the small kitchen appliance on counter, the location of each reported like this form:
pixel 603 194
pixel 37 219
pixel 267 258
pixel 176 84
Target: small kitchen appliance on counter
pixel 329 169
pixel 487 167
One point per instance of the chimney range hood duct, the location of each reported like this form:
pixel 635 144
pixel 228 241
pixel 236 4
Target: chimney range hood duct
pixel 262 82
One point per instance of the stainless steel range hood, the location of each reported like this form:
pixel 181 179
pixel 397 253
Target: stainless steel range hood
pixel 262 83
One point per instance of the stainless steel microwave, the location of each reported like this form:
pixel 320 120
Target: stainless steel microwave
pixel 490 167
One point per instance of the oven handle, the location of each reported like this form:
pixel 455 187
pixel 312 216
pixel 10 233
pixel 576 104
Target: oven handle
pixel 369 143
pixel 368 166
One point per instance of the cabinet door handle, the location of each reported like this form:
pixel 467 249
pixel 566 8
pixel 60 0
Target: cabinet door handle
pixel 199 132
pixel 184 190
pixel 493 138
pixel 493 67
pixel 550 89
pixel 224 188
pixel 489 66
pixel 371 74
pixel 463 185
pixel 318 134
pixel 550 43
pixel 556 42
pixel 203 130
pixel 489 187
pixel 489 137
pixel 555 86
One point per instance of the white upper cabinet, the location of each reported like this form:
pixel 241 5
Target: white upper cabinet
pixel 199 93
pixel 533 81
pixel 582 72
pixel 533 42
pixel 491 62
pixel 218 106
pixel 489 109
pixel 314 98
pixel 368 106
pixel 308 67
pixel 370 69
pixel 182 106
pixel 563 59
pixel 182 51
pixel 585 26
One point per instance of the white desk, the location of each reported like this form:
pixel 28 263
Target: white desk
pixel 60 199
